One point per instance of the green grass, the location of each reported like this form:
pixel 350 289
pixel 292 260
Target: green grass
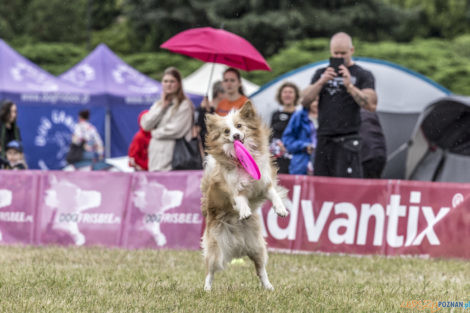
pixel 56 279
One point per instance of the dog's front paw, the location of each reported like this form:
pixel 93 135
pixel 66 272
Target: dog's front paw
pixel 280 208
pixel 241 205
pixel 244 212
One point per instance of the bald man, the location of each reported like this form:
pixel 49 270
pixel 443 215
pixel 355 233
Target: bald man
pixel 341 96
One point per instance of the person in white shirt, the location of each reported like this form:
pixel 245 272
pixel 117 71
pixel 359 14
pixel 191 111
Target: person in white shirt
pixel 87 134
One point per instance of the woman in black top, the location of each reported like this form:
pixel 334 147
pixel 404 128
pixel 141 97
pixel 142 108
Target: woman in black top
pixel 208 107
pixel 8 129
pixel 287 96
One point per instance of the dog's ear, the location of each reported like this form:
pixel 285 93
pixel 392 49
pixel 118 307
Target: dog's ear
pixel 247 111
pixel 211 121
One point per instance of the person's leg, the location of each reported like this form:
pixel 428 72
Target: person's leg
pixel 347 160
pixel 323 157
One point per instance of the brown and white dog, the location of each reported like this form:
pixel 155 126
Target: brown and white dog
pixel 230 194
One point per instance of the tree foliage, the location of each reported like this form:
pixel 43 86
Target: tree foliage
pixel 143 25
pixel 268 25
pixel 426 36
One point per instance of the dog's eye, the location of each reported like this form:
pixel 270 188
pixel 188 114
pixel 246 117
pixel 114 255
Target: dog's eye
pixel 239 125
pixel 227 131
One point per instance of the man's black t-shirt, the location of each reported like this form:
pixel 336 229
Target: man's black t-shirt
pixel 279 121
pixel 338 113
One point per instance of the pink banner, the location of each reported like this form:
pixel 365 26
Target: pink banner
pixel 18 197
pixel 372 217
pixel 82 208
pixel 164 211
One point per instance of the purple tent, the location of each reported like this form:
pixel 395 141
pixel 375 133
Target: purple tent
pixel 127 93
pixel 103 72
pixel 47 108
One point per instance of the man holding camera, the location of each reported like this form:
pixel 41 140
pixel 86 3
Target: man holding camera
pixel 343 89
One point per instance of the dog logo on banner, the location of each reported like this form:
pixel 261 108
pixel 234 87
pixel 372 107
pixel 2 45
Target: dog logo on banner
pixel 153 199
pixel 70 201
pixel 32 77
pixel 54 133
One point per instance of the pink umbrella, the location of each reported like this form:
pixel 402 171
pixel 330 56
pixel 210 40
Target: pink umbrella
pixel 218 46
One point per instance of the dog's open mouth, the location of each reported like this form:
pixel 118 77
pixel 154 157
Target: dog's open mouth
pixel 241 140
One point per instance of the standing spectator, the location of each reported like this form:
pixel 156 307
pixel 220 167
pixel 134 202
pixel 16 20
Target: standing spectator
pixel 85 133
pixel 287 96
pixel 15 156
pixel 8 129
pixel 168 119
pixel 341 95
pixel 208 107
pixel 373 150
pixel 234 96
pixel 139 148
pixel 300 139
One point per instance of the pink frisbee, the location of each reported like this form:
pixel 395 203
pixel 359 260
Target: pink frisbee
pixel 246 160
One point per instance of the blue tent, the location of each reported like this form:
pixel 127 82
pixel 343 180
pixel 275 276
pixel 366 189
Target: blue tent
pixel 126 91
pixel 47 108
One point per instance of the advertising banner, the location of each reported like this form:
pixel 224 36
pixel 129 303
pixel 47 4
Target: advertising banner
pixel 371 217
pixel 162 211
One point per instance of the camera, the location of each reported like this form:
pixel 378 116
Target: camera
pixel 335 63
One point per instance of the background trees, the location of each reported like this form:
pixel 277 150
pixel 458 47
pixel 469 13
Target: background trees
pixel 427 36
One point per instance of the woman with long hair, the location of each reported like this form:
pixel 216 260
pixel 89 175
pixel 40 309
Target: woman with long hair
pixel 288 97
pixel 9 131
pixel 234 95
pixel 168 119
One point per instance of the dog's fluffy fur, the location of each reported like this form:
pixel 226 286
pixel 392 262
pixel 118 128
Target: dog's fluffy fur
pixel 230 195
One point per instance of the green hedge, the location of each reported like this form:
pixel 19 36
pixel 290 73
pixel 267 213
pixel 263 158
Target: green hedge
pixel 445 61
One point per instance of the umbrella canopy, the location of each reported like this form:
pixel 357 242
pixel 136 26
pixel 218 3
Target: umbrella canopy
pixel 218 46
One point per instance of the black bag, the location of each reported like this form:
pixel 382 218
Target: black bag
pixel 75 153
pixel 187 155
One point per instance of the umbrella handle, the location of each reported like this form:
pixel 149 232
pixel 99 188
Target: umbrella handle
pixel 210 80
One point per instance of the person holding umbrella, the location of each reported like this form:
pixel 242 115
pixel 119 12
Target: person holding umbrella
pixel 234 96
pixel 220 46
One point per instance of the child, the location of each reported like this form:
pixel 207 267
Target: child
pixel 15 156
pixel 138 149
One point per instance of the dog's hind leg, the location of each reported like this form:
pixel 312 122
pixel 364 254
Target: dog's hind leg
pixel 210 275
pixel 260 259
pixel 213 263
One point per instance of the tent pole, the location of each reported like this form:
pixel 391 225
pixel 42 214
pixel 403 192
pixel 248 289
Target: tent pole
pixel 107 134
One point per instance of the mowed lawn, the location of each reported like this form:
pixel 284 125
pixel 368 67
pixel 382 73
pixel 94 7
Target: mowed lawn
pixel 58 279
